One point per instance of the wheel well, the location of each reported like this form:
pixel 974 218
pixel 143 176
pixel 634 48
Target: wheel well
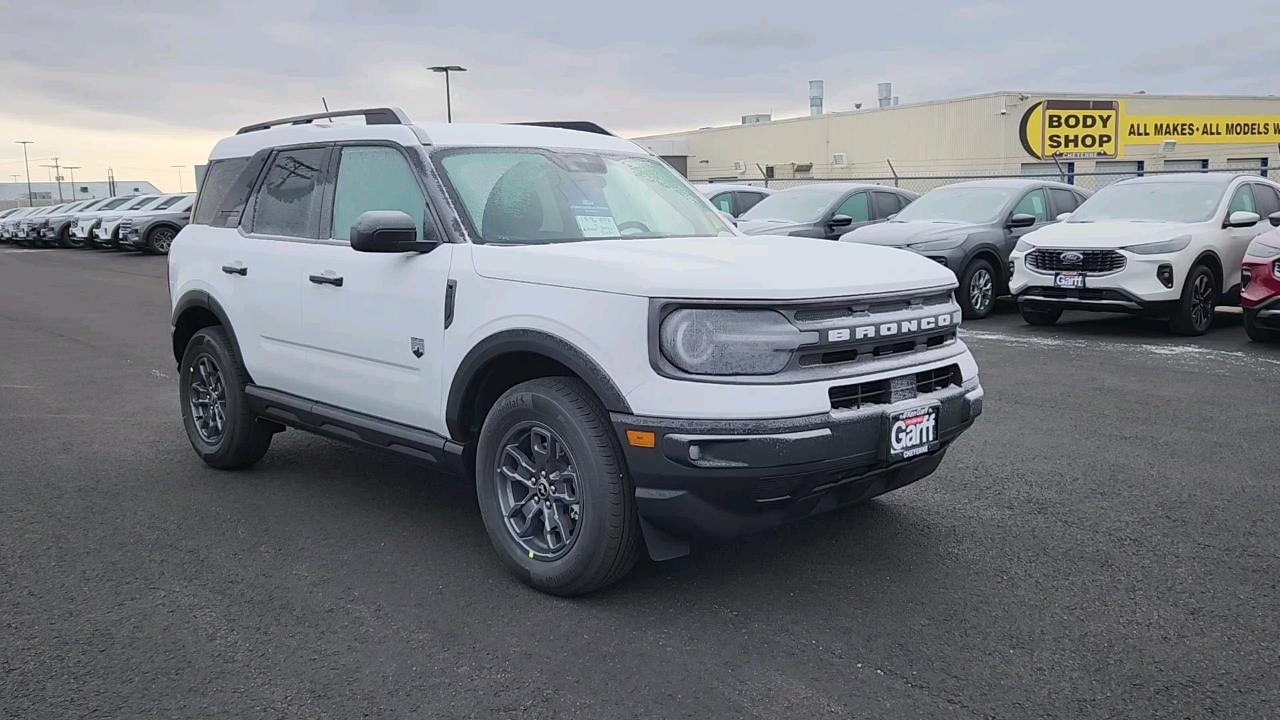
pixel 192 321
pixel 994 259
pixel 497 376
pixel 1211 261
pixel 159 225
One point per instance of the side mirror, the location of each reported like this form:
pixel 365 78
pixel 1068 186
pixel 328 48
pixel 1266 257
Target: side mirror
pixel 892 216
pixel 1242 218
pixel 1274 218
pixel 728 218
pixel 1022 220
pixel 840 221
pixel 1062 216
pixel 387 231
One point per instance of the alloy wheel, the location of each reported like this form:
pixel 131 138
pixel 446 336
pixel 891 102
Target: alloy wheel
pixel 208 400
pixel 1202 301
pixel 538 491
pixel 981 290
pixel 162 239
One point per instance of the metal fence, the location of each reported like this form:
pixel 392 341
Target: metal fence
pixel 1092 181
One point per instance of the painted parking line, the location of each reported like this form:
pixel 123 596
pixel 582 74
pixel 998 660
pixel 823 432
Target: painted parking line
pixel 1190 354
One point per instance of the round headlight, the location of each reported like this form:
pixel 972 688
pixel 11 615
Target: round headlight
pixel 730 342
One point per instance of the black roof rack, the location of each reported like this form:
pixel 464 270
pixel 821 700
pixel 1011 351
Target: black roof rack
pixel 579 125
pixel 372 116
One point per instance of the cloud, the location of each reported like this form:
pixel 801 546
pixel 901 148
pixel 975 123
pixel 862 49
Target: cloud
pixel 980 12
pixel 762 37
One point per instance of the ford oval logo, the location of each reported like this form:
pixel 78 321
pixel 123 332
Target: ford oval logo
pixel 1072 258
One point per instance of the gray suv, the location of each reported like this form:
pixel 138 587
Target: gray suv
pixel 971 227
pixel 153 231
pixel 824 210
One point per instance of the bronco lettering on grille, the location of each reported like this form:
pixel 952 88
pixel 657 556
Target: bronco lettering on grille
pixel 864 332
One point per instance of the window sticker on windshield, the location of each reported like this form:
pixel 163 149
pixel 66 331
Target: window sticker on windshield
pixel 596 225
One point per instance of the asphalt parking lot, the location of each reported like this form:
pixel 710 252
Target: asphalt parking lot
pixel 1104 543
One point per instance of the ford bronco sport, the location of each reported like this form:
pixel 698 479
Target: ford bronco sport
pixel 552 312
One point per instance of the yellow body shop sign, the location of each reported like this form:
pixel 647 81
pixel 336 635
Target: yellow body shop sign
pixel 1100 129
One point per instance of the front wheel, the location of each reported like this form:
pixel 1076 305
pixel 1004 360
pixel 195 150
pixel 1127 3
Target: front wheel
pixel 977 290
pixel 1199 301
pixel 1040 316
pixel 1256 333
pixel 215 409
pixel 160 240
pixel 553 488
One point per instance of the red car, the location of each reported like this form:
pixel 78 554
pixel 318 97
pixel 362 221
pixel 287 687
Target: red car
pixel 1260 285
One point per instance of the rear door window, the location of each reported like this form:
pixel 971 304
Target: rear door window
pixel 1265 199
pixel 887 204
pixel 288 200
pixel 748 200
pixel 1064 201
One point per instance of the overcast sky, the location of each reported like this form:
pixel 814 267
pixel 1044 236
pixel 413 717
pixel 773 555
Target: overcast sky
pixel 144 85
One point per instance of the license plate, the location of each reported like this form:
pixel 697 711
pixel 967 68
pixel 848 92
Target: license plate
pixel 913 432
pixel 1068 280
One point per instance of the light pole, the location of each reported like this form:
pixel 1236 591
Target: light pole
pixel 24 144
pixel 448 100
pixel 179 167
pixel 73 169
pixel 57 175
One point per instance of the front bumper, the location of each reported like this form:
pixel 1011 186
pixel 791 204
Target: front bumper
pixel 1135 289
pixel 723 478
pixel 82 230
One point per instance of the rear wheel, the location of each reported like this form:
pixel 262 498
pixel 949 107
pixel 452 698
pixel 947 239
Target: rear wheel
pixel 215 409
pixel 554 491
pixel 1256 333
pixel 160 239
pixel 1040 316
pixel 1199 301
pixel 977 290
pixel 67 240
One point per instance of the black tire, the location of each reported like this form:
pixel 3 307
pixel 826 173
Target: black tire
pixel 1256 333
pixel 604 540
pixel 977 291
pixel 1196 308
pixel 242 440
pixel 67 240
pixel 159 240
pixel 1040 316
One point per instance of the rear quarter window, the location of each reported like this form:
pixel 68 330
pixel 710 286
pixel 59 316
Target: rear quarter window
pixel 220 176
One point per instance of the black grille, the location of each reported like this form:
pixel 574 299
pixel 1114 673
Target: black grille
pixel 1076 294
pixel 883 392
pixel 836 357
pixel 852 309
pixel 1094 261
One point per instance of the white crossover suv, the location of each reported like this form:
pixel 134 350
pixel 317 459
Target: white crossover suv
pixel 556 315
pixel 1168 246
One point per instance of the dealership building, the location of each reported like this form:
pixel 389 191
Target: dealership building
pixel 1073 136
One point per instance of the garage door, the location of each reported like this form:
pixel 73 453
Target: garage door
pixel 1186 165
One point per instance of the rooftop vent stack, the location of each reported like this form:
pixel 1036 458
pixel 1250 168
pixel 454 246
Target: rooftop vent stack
pixel 884 94
pixel 815 98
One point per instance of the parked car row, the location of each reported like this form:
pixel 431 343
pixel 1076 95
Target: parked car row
pixel 140 222
pixel 1169 246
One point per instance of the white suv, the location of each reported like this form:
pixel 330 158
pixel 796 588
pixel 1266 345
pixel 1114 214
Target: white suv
pixel 1168 245
pixel 557 315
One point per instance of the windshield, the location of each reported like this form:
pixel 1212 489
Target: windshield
pixel 141 202
pixel 972 205
pixel 519 197
pixel 801 205
pixel 114 204
pixel 1181 202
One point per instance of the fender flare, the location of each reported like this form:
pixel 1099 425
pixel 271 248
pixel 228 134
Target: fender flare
pixel 531 341
pixel 200 299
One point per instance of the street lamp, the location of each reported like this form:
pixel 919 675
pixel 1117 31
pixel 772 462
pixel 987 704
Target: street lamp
pixel 179 167
pixel 448 100
pixel 73 169
pixel 24 144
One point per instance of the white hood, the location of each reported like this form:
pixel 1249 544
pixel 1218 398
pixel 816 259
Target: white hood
pixel 762 267
pixel 1108 234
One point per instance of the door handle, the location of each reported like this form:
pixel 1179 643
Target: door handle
pixel 334 280
pixel 235 270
